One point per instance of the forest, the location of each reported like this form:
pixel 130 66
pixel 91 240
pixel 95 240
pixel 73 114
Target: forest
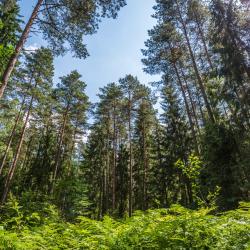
pixel 159 165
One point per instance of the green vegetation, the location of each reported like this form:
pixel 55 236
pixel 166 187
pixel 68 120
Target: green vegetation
pixel 172 228
pixel 137 177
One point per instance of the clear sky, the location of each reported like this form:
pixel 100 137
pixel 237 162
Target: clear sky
pixel 115 50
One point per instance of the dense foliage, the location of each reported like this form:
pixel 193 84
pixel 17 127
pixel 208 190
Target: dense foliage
pixel 183 140
pixel 173 228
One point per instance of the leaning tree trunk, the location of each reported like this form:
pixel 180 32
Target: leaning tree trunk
pixel 11 136
pixel 14 163
pixel 13 59
pixel 203 39
pixel 187 108
pixel 199 79
pixel 191 100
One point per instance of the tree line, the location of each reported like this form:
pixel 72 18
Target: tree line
pixel 184 139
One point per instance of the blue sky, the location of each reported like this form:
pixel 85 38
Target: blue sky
pixel 115 50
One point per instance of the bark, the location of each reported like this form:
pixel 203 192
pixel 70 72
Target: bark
pixel 72 149
pixel 104 195
pixel 191 101
pixel 114 160
pixel 14 163
pixel 107 171
pixel 200 108
pixel 58 153
pixel 18 48
pixel 145 170
pixel 163 185
pixel 187 108
pixel 12 136
pixel 99 216
pixel 203 39
pixel 26 157
pixel 199 79
pixel 130 159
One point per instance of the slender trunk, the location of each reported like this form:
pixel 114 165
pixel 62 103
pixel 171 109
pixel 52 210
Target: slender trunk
pixel 18 48
pixel 99 215
pixel 187 108
pixel 26 157
pixel 14 163
pixel 243 107
pixel 107 171
pixel 104 195
pixel 72 149
pixel 238 51
pixel 201 85
pixel 58 153
pixel 145 170
pixel 200 108
pixel 191 101
pixel 203 39
pixel 12 136
pixel 73 142
pixel 114 160
pixel 130 159
pixel 162 181
pixel 40 146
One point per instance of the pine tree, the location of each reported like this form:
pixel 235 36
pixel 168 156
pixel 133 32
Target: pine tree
pixel 229 42
pixel 9 30
pixel 38 70
pixel 71 106
pixel 175 146
pixel 63 24
pixel 145 119
pixel 130 86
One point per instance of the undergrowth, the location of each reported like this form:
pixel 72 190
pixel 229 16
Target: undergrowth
pixel 173 228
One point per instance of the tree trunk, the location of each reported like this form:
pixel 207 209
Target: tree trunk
pixel 114 160
pixel 203 41
pixel 162 181
pixel 191 101
pixel 58 153
pixel 19 47
pixel 26 157
pixel 11 136
pixel 202 87
pixel 14 163
pixel 104 195
pixel 107 171
pixel 130 160
pixel 200 108
pixel 187 109
pixel 72 149
pixel 145 170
